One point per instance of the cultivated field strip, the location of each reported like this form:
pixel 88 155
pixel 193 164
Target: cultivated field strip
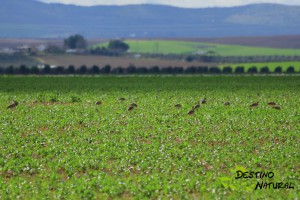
pixel 133 137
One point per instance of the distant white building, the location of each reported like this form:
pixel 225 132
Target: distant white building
pixel 24 49
pixel 41 47
pixel 7 51
pixel 75 51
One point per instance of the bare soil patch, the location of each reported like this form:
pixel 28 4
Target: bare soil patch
pixel 88 60
pixel 282 42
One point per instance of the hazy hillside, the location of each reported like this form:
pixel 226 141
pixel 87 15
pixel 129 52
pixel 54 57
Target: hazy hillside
pixel 29 18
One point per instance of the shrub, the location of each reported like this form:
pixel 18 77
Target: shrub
pixel 154 70
pixel 290 70
pixel 189 59
pixel 141 70
pixel 34 70
pixel 130 69
pixel 9 70
pixel 227 70
pixel 278 70
pixel 46 69
pixel 82 69
pixel 190 70
pixel 202 70
pixel 239 70
pixel 71 69
pixel 95 70
pixel 178 70
pixel 265 70
pixel 252 70
pixel 59 70
pixel 23 70
pixel 118 70
pixel 106 69
pixel 214 70
pixel 166 70
pixel 118 45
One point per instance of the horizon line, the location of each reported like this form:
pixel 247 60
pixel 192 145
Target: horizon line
pixel 167 5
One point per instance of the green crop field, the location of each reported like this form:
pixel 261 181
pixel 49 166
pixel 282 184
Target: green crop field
pixel 57 143
pixel 181 47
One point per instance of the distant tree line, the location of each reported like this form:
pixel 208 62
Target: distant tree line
pixel 107 69
pixel 225 59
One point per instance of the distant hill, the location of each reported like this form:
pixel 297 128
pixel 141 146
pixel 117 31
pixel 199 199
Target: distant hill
pixel 33 19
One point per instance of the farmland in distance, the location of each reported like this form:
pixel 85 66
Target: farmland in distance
pixel 188 47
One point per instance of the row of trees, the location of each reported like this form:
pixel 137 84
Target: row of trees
pixel 79 42
pixel 24 70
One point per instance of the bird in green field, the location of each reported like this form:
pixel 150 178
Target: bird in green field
pixel 133 105
pixel 272 104
pixel 191 112
pixel 227 103
pixel 196 106
pixel 203 101
pixel 130 108
pixel 13 105
pixel 254 105
pixel 178 106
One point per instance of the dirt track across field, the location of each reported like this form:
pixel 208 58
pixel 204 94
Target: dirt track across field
pixel 79 60
pixel 282 42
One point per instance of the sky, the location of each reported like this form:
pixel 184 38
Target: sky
pixel 178 3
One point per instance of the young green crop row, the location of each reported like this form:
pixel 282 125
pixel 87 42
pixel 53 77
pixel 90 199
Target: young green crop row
pixel 81 149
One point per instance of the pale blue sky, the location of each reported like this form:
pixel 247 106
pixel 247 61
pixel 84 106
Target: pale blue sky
pixel 179 3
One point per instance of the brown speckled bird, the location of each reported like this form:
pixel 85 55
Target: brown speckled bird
pixel 178 106
pixel 272 104
pixel 133 105
pixel 254 105
pixel 227 103
pixel 98 103
pixel 191 112
pixel 130 108
pixel 196 106
pixel 13 105
pixel 203 101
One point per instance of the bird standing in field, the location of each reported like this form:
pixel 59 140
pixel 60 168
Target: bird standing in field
pixel 191 112
pixel 272 104
pixel 133 105
pixel 196 106
pixel 178 106
pixel 203 101
pixel 227 103
pixel 98 103
pixel 13 105
pixel 254 105
pixel 277 107
pixel 130 108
